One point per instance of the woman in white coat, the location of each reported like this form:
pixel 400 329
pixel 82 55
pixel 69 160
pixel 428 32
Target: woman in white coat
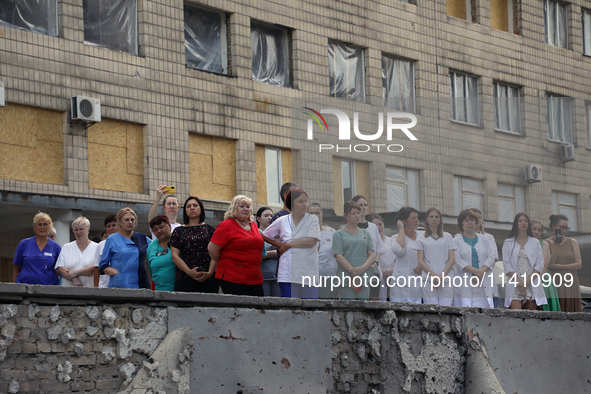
pixel 387 259
pixel 474 262
pixel 523 260
pixel 407 273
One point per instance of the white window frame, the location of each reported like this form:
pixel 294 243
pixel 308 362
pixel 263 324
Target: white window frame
pixel 460 192
pixel 559 206
pixel 586 30
pixel 566 118
pixel 556 23
pixel 455 79
pixel 387 80
pixel 352 179
pixel 273 191
pixel 510 104
pixel 407 185
pixel 517 197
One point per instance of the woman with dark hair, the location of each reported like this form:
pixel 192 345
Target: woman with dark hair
pixel 436 257
pixel 480 230
pixel 474 261
pixel 188 245
pixel 537 229
pixel 565 261
pixel 327 265
pixel 299 233
pixel 269 261
pixel 353 250
pixel 162 268
pixel 387 259
pixel 523 260
pixel 404 246
pixel 375 237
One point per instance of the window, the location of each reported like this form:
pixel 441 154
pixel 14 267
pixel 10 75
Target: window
pixel 507 111
pixel 464 98
pixel 460 9
pixel 559 119
pixel 398 84
pixel 588 112
pixel 586 16
pixel 501 15
pixel 273 167
pixel 206 43
pixel 511 201
pixel 402 188
pixel 270 54
pixel 565 204
pixel 467 194
pixel 346 72
pixel 39 16
pixel 111 24
pixel 556 25
pixel 348 178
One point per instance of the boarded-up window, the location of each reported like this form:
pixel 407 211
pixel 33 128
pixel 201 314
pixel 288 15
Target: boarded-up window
pixel 212 167
pixel 501 15
pixel 31 144
pixel 116 156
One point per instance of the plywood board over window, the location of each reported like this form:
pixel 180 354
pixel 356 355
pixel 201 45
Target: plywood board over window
pixel 212 167
pixel 31 144
pixel 115 156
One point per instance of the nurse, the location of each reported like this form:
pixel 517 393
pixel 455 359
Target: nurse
pixel 35 257
pixel 387 260
pixel 436 256
pixel 406 270
pixel 474 261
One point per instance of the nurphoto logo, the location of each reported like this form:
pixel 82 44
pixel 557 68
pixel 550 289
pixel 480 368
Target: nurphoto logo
pixel 344 130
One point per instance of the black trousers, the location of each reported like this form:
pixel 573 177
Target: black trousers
pixel 241 289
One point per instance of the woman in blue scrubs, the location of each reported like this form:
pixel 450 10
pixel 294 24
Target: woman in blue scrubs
pixel 35 257
pixel 124 254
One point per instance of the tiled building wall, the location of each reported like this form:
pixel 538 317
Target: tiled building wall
pixel 171 102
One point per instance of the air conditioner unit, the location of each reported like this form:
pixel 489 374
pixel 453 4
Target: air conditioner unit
pixel 533 173
pixel 86 109
pixel 566 152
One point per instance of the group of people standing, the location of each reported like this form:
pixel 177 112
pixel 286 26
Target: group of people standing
pixel 273 254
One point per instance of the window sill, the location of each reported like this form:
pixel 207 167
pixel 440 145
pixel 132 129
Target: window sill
pixel 466 124
pixel 510 133
pixel 561 142
pixel 211 72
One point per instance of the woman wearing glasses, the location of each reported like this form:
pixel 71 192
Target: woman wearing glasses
pixel 160 264
pixel 565 261
pixel 188 245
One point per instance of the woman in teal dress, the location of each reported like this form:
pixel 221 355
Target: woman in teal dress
pixel 553 304
pixel 353 250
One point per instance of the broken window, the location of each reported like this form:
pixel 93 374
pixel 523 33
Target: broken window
pixel 111 24
pixel 206 44
pixel 398 84
pixel 38 16
pixel 346 71
pixel 270 54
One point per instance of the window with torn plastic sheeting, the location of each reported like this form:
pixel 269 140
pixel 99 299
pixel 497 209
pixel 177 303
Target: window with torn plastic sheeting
pixel 346 71
pixel 206 44
pixel 111 24
pixel 38 16
pixel 398 84
pixel 270 54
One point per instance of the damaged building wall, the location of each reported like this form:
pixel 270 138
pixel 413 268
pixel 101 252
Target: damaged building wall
pixel 58 340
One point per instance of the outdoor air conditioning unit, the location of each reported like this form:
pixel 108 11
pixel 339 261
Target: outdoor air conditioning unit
pixel 86 109
pixel 533 173
pixel 566 152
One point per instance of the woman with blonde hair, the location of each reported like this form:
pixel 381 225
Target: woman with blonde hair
pixel 436 257
pixel 77 260
pixel 35 257
pixel 123 257
pixel 537 229
pixel 235 249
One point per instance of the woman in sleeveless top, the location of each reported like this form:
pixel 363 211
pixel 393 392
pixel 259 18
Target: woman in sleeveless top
pixel 565 261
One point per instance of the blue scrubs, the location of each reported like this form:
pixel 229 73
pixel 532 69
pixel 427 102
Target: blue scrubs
pixel 37 266
pixel 122 254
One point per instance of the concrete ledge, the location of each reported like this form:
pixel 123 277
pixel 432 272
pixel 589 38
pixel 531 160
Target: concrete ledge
pixel 11 292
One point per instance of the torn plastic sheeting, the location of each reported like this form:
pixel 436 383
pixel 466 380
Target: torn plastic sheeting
pixel 270 54
pixel 398 80
pixel 111 24
pixel 205 40
pixel 39 16
pixel 346 71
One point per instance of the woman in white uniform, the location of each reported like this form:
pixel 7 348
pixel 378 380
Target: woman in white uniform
pixel 327 265
pixel 407 272
pixel 387 259
pixel 474 261
pixel 75 263
pixel 523 260
pixel 491 239
pixel 436 257
pixel 376 239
